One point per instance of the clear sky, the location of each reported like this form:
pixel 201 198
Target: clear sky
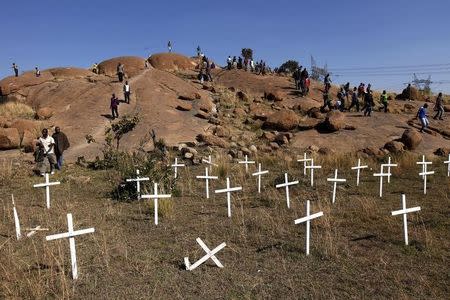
pixel 376 37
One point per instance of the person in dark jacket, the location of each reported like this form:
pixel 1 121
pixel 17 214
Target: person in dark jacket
pixel 439 107
pixel 368 103
pixel 61 145
pixel 114 106
pixel 355 100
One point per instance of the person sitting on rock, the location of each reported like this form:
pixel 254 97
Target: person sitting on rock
pixel 16 69
pixel 368 104
pixel 48 144
pixel 126 92
pixel 114 106
pixel 439 107
pixel 355 100
pixel 384 101
pixel 61 145
pixel 422 115
pixel 120 71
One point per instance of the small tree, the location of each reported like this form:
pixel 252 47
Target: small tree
pixel 289 66
pixel 119 129
pixel 247 53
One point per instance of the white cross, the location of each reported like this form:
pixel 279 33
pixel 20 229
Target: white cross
pixel 358 170
pixel 424 165
pixel 71 235
pixel 47 185
pixel 228 190
pixel 312 167
pixel 381 175
pixel 335 180
pixel 246 162
pixel 403 212
pixel 209 162
pixel 448 165
pixel 175 166
pixel 424 174
pixel 138 182
pixel 155 198
pixel 209 254
pixel 259 173
pixel 16 219
pixel 308 219
pixel 207 177
pixel 305 162
pixel 389 165
pixel 286 185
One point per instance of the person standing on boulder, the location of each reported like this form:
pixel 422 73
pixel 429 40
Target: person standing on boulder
pixel 439 106
pixel 61 145
pixel 16 69
pixel 37 72
pixel 355 100
pixel 422 115
pixel 114 106
pixel 327 82
pixel 48 144
pixel 126 92
pixel 384 101
pixel 120 71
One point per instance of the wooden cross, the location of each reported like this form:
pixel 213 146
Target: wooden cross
pixel 286 185
pixel 389 165
pixel 403 212
pixel 259 173
pixel 47 185
pixel 246 162
pixel 70 234
pixel 335 180
pixel 448 165
pixel 32 231
pixel 176 165
pixel 305 162
pixel 155 198
pixel 138 182
pixel 207 177
pixel 228 190
pixel 312 167
pixel 424 174
pixel 381 175
pixel 209 254
pixel 209 162
pixel 424 165
pixel 308 219
pixel 358 169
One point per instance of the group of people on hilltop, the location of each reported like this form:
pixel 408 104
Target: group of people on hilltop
pixel 15 68
pixel 205 67
pixel 50 148
pixel 302 81
pixel 247 64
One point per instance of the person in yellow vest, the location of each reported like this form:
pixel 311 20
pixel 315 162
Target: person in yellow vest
pixel 384 100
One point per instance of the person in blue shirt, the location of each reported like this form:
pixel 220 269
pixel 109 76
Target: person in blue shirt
pixel 422 115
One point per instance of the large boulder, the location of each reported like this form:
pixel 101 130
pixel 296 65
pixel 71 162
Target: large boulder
pixel 334 121
pixel 28 141
pixel 23 125
pixel 394 146
pixel 283 120
pixel 44 113
pixel 447 108
pixel 211 140
pixel 260 111
pixel 411 139
pixel 69 73
pixel 273 95
pixel 9 138
pixel 171 62
pixel 133 66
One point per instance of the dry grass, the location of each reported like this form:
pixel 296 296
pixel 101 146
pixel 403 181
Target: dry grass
pixel 13 110
pixel 357 248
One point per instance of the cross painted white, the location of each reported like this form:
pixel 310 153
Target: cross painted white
pixel 312 167
pixel 305 161
pixel 47 185
pixel 308 219
pixel 16 219
pixel 335 180
pixel 358 169
pixel 381 175
pixel 138 180
pixel 229 190
pixel 155 198
pixel 286 185
pixel 246 162
pixel 71 234
pixel 176 165
pixel 209 254
pixel 209 162
pixel 424 174
pixel 207 177
pixel 389 165
pixel 448 165
pixel 403 212
pixel 423 163
pixel 259 174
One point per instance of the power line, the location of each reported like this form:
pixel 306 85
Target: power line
pixel 360 74
pixel 393 67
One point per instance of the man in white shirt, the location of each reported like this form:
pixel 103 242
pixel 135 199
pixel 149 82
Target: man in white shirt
pixel 48 143
pixel 127 92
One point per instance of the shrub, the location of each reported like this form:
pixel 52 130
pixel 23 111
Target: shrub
pixel 289 66
pixel 13 110
pixel 247 53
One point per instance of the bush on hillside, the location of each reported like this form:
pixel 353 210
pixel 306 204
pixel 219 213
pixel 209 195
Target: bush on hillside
pixel 16 110
pixel 289 66
pixel 247 53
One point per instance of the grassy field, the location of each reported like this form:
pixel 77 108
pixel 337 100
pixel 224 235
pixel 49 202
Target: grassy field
pixel 357 248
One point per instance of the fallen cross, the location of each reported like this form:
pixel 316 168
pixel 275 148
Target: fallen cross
pixel 70 234
pixel 246 162
pixel 381 175
pixel 138 182
pixel 424 165
pixel 335 180
pixel 424 174
pixel 175 166
pixel 155 198
pixel 209 254
pixel 308 219
pixel 312 167
pixel 209 162
pixel 305 162
pixel 229 190
pixel 47 185
pixel 32 231
pixel 286 185
pixel 259 174
pixel 403 212
pixel 448 165
pixel 358 169
pixel 207 177
pixel 389 165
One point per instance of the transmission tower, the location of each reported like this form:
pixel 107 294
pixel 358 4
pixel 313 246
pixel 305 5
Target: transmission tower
pixel 422 84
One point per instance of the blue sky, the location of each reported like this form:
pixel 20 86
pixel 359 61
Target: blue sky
pixel 344 34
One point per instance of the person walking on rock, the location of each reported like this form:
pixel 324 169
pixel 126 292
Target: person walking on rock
pixel 368 104
pixel 15 69
pixel 61 145
pixel 120 71
pixel 114 106
pixel 47 143
pixel 126 92
pixel 355 100
pixel 422 115
pixel 169 46
pixel 439 107
pixel 384 101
